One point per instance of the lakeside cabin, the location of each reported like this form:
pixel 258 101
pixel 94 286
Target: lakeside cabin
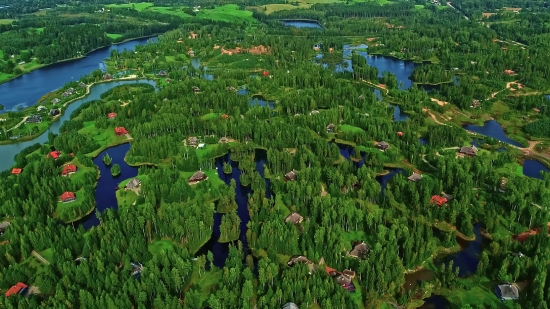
pixel 415 177
pixel 34 119
pixel 16 171
pixel 382 146
pixel 507 291
pixel 19 288
pixel 330 128
pixel 54 154
pixel 120 131
pixel 223 140
pixel 82 85
pixel 68 197
pixel 134 183
pixel 289 306
pixel 54 112
pixel 291 176
pixel 111 115
pixel 192 141
pixel 55 101
pixel 294 218
pixel 68 170
pixel 197 177
pixel 360 250
pixel 469 151
pixel 163 73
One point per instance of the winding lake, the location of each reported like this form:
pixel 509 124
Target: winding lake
pixel 493 129
pixel 533 168
pixel 25 90
pixel 467 259
pixel 9 151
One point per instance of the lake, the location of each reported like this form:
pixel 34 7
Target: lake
pixel 398 116
pixel 467 259
pixel 9 151
pixel 301 23
pixel 105 193
pixel 260 101
pixel 533 168
pixel 25 90
pixel 435 302
pixel 493 129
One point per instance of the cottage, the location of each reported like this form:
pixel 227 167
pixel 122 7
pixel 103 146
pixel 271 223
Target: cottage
pixel 111 115
pixel 197 177
pixel 399 133
pixel 291 176
pixel 68 169
pixel 66 94
pixel 192 141
pixel 383 146
pixel 348 272
pixel 82 85
pixel 54 154
pixel 196 89
pixel 19 288
pixel 223 140
pixel 289 306
pixel 68 197
pixel 136 270
pixel 475 104
pixel 507 291
pixel 343 280
pixel 330 128
pixel 360 250
pixel 70 90
pixel 120 131
pixel 415 177
pixel 163 73
pixel 107 76
pixel 439 200
pixel 294 218
pixel 16 171
pixel 56 100
pixel 54 112
pixel 509 72
pixel 34 119
pixel 40 108
pixel 298 259
pixel 469 150
pixel 134 183
pixel 3 226
pixel 314 112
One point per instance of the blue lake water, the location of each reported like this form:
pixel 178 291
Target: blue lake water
pixel 301 23
pixel 435 302
pixel 494 130
pixel 260 101
pixel 196 63
pixel 534 168
pixel 467 259
pixel 9 151
pixel 25 91
pixel 398 115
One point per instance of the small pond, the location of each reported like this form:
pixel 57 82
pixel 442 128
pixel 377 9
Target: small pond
pixel 260 101
pixel 413 279
pixel 467 259
pixel 493 129
pixel 535 169
pixel 435 302
pixel 301 23
pixel 399 116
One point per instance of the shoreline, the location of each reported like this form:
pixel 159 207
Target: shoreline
pixel 76 58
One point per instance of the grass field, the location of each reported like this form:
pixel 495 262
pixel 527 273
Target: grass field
pixel 113 36
pixel 140 6
pixel 6 21
pixel 176 11
pixel 211 116
pixel 227 13
pixel 157 246
pixel 4 76
pixel 104 138
pixel 350 129
pixel 69 206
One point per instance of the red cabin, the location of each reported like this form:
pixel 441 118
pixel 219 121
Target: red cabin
pixel 111 115
pixel 399 133
pixel 265 73
pixel 68 197
pixel 16 171
pixel 439 200
pixel 68 169
pixel 120 131
pixel 54 154
pixel 18 288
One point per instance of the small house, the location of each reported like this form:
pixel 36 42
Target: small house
pixel 383 146
pixel 197 177
pixel 19 288
pixel 16 171
pixel 469 150
pixel 168 80
pixel 291 176
pixel 34 119
pixel 68 197
pixel 134 183
pixel 82 85
pixel 223 140
pixel 224 116
pixel 294 218
pixel 107 76
pixel 54 112
pixel 314 112
pixel 289 306
pixel 509 72
pixel 265 73
pixel 360 250
pixel 40 108
pixel 54 154
pixel 3 226
pixel 348 272
pixel 120 131
pixel 163 73
pixel 196 89
pixel 192 141
pixel 415 177
pixel 111 115
pixel 69 169
pixel 400 134
pixel 298 259
pixel 475 104
pixel 66 94
pixel 330 128
pixel 56 100
pixel 507 291
pixel 439 200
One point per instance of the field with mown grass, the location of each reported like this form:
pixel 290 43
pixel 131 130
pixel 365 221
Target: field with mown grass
pixel 140 6
pixel 6 21
pixel 113 36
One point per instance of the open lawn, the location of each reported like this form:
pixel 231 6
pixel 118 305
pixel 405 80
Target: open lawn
pixel 6 21
pixel 72 207
pixel 211 116
pixel 4 76
pixel 227 13
pixel 157 246
pixel 113 36
pixel 140 6
pixel 477 292
pixel 176 11
pixel 125 198
pixel 104 137
pixel 350 129
pixel 81 170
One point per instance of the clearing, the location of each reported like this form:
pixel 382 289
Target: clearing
pixel 136 6
pixel 113 36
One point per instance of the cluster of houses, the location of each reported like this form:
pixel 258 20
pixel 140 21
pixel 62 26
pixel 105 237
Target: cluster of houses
pixel 69 92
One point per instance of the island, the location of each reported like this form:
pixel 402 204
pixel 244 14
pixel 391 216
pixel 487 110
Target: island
pixel 284 155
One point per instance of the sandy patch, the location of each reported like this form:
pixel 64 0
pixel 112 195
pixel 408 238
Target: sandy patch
pixel 439 102
pixel 256 50
pixel 124 103
pixel 192 35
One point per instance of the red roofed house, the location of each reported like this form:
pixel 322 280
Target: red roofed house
pixel 439 200
pixel 54 154
pixel 509 72
pixel 400 133
pixel 16 171
pixel 111 115
pixel 265 73
pixel 68 197
pixel 120 131
pixel 18 288
pixel 68 169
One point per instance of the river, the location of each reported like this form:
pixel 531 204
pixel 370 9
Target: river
pixel 9 151
pixel 25 90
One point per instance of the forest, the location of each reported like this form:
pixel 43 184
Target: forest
pixel 345 189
